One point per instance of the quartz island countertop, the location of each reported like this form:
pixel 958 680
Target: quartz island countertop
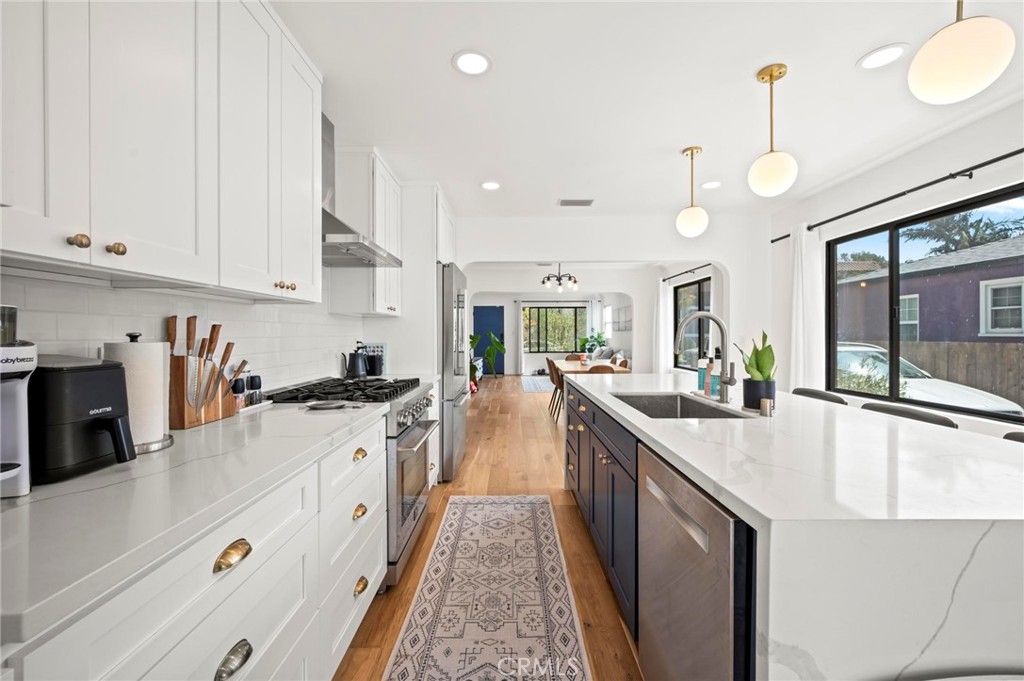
pixel 886 548
pixel 67 544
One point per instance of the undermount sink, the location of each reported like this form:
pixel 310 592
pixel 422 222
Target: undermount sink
pixel 678 406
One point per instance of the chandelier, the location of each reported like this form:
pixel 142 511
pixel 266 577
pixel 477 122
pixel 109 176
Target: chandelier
pixel 561 279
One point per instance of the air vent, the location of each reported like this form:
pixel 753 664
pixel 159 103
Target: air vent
pixel 576 203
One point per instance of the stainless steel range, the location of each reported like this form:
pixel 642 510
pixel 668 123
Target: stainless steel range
pixel 408 437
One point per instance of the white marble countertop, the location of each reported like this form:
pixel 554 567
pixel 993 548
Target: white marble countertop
pixel 66 544
pixel 820 461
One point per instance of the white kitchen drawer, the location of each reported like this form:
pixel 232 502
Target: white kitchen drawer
pixel 344 609
pixel 269 612
pixel 162 607
pixel 355 455
pixel 349 520
pixel 303 662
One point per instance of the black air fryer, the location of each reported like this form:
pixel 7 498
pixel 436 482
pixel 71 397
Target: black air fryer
pixel 78 417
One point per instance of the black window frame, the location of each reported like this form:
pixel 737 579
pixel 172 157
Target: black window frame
pixel 528 346
pixel 831 301
pixel 703 328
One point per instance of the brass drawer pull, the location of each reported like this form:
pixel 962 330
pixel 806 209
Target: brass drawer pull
pixel 583 407
pixel 570 467
pixel 359 512
pixel 234 554
pixel 360 586
pixel 433 466
pixel 117 248
pixel 359 454
pixel 79 240
pixel 234 660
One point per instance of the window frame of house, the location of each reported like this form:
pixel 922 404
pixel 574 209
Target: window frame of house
pixel 893 274
pixel 986 286
pixel 607 320
pixel 703 328
pixel 528 349
pixel 916 322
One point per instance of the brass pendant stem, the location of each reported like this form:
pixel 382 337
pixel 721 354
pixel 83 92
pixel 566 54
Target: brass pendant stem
pixel 691 180
pixel 959 10
pixel 771 116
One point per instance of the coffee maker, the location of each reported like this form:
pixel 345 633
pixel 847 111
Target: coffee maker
pixel 79 417
pixel 17 362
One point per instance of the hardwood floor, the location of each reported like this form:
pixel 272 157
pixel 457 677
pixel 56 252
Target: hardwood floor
pixel 513 448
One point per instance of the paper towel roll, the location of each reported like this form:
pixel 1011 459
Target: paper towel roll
pixel 147 369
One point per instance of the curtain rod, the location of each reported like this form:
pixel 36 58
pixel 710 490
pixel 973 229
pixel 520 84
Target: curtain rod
pixel 966 172
pixel 553 302
pixel 686 272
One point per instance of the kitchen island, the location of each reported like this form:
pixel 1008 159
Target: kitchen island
pixel 886 548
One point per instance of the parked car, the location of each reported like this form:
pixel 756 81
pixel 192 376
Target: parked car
pixel 857 363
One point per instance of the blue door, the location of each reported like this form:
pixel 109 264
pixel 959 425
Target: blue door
pixel 489 318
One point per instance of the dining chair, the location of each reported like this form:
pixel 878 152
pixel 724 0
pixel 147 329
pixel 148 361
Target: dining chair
pixel 560 388
pixel 908 413
pixel 601 369
pixel 572 357
pixel 1015 436
pixel 553 376
pixel 624 364
pixel 819 395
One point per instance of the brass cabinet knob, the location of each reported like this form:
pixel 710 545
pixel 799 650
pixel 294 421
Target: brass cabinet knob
pixel 234 554
pixel 570 467
pixel 280 285
pixel 79 240
pixel 359 454
pixel 359 512
pixel 234 660
pixel 580 428
pixel 361 585
pixel 117 248
pixel 572 397
pixel 292 287
pixel 583 407
pixel 433 466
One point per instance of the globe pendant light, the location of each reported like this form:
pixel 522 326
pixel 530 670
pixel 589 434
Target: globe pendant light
pixel 692 220
pixel 962 59
pixel 774 172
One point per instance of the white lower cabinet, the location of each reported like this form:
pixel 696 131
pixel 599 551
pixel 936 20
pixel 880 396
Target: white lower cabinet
pixel 304 662
pixel 434 443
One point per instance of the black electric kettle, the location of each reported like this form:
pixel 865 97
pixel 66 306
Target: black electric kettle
pixel 355 362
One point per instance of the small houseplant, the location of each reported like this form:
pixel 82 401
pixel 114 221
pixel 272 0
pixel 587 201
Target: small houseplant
pixel 592 342
pixel 490 352
pixel 760 366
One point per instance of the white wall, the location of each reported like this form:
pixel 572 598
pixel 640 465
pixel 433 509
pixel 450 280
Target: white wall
pixel 736 242
pixel 991 136
pixel 284 344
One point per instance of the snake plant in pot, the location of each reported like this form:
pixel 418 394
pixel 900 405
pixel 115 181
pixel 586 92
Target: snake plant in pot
pixel 760 366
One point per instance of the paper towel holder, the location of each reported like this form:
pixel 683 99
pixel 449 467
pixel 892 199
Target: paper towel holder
pixel 167 440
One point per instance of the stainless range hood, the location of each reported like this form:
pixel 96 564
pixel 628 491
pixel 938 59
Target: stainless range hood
pixel 344 246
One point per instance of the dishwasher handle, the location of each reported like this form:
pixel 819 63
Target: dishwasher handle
pixel 694 529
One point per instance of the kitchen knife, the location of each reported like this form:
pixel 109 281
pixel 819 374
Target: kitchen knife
pixel 212 391
pixel 172 331
pixel 238 372
pixel 209 366
pixel 193 390
pixel 191 362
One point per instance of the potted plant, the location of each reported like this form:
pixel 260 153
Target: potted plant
pixel 490 352
pixel 760 366
pixel 595 340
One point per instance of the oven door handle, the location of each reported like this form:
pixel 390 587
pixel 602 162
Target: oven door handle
pixel 407 450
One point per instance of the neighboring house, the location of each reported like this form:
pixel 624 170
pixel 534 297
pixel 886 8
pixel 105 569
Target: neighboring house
pixel 972 295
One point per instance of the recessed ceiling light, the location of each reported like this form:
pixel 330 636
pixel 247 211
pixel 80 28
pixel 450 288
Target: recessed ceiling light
pixel 883 56
pixel 471 63
pixel 490 186
pixel 713 184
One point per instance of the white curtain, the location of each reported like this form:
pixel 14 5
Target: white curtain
pixel 807 346
pixel 664 329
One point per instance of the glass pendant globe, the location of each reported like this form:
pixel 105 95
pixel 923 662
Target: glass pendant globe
pixel 547 282
pixel 559 288
pixel 961 60
pixel 772 173
pixel 691 222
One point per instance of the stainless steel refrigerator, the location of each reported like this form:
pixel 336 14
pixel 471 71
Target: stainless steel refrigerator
pixel 454 368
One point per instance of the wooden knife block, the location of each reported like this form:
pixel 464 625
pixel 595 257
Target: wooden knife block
pixel 183 415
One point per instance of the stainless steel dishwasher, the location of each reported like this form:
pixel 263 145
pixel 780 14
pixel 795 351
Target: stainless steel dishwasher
pixel 696 581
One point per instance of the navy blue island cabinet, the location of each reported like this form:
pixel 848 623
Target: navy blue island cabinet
pixel 600 460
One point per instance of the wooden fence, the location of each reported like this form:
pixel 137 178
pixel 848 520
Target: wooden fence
pixel 996 368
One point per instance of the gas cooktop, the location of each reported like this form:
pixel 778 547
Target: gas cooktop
pixel 348 389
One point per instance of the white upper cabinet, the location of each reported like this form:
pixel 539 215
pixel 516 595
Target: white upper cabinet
pixel 250 148
pixel 170 140
pixel 445 231
pixel 45 138
pixel 301 177
pixel 152 141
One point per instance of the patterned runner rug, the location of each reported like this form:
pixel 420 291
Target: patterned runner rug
pixel 494 600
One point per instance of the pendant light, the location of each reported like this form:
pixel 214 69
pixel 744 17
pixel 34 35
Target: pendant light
pixel 561 280
pixel 962 59
pixel 692 220
pixel 775 171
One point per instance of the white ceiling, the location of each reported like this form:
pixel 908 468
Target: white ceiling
pixel 595 100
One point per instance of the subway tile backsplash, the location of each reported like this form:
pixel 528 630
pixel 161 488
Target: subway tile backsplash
pixel 284 344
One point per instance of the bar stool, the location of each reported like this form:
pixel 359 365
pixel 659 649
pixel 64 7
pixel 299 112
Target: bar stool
pixel 908 413
pixel 819 395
